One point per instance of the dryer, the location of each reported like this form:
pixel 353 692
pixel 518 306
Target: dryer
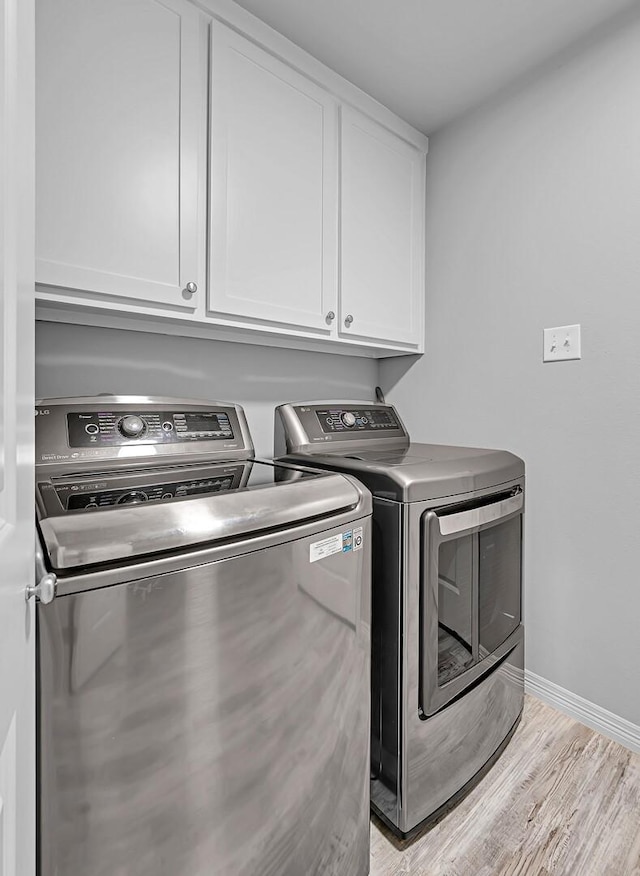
pixel 447 631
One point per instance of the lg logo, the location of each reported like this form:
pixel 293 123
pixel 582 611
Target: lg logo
pixel 41 412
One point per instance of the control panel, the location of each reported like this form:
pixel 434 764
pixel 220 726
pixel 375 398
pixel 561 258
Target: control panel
pixel 357 420
pixel 86 433
pixel 109 428
pixel 332 427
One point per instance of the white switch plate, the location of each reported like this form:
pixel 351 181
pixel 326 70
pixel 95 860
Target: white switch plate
pixel 561 343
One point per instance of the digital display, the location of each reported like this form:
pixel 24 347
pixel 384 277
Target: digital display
pixel 210 422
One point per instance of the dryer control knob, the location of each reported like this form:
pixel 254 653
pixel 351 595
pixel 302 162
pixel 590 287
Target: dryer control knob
pixel 132 426
pixel 348 419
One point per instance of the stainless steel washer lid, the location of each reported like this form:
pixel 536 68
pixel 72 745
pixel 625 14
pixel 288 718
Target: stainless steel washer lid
pixel 120 478
pixel 125 532
pixel 422 472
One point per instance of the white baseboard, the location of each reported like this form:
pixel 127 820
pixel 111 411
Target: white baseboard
pixel 582 710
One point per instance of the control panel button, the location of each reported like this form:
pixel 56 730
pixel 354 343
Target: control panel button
pixel 348 419
pixel 167 426
pixel 132 426
pixel 92 428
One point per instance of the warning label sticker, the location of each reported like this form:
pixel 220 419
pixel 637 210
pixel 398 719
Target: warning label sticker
pixel 321 549
pixel 343 543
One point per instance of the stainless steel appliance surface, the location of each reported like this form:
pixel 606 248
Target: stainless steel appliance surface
pixel 203 648
pixel 447 632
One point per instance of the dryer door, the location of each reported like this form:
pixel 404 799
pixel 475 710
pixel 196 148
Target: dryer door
pixel 471 593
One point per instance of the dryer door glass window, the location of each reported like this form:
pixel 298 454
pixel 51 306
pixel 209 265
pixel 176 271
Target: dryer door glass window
pixel 456 562
pixel 488 560
pixel 499 549
pixel 470 601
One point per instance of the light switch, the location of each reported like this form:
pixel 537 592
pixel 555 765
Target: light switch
pixel 561 343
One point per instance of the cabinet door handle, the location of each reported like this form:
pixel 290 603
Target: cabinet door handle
pixel 190 289
pixel 348 320
pixel 330 316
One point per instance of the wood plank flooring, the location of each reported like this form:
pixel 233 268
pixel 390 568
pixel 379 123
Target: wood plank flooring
pixel 561 801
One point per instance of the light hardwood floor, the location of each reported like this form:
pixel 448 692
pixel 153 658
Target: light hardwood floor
pixel 561 801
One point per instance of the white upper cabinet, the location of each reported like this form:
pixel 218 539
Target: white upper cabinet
pixel 274 214
pixel 382 233
pixel 121 127
pixel 199 174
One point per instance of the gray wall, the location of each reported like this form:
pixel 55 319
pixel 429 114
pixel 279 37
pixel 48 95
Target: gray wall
pixel 77 360
pixel 533 220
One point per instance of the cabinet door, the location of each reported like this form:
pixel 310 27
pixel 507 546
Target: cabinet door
pixel 382 233
pixel 273 255
pixel 120 131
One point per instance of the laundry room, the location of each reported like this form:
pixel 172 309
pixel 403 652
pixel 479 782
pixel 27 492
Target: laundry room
pixel 329 316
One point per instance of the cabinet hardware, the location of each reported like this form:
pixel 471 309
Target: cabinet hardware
pixel 190 289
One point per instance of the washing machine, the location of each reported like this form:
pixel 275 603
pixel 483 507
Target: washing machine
pixel 447 631
pixel 203 630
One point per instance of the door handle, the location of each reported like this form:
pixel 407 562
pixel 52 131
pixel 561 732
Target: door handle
pixel 46 582
pixel 452 524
